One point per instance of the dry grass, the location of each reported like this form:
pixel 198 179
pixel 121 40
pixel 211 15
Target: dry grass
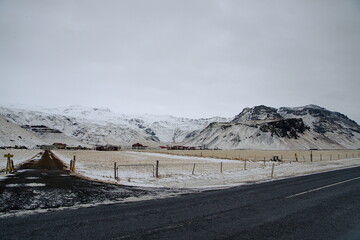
pixel 96 160
pixel 260 155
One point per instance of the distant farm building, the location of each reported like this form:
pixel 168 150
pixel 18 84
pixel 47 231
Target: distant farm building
pixel 78 148
pixel 59 145
pixel 139 146
pixel 177 147
pixel 47 147
pixel 107 148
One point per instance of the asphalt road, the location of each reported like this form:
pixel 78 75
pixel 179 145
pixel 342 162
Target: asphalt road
pixel 319 206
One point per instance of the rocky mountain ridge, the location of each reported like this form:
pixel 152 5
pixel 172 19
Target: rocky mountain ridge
pixel 263 127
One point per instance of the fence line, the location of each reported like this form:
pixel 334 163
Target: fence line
pixel 116 168
pixel 162 169
pixel 249 155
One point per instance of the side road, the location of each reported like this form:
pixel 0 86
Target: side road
pixel 45 182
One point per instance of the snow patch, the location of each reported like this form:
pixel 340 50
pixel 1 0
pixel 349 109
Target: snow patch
pixel 26 185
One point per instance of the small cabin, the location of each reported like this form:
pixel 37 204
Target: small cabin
pixel 59 145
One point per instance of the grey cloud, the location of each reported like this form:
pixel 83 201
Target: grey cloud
pixel 186 58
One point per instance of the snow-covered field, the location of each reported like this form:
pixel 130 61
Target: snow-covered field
pixel 176 171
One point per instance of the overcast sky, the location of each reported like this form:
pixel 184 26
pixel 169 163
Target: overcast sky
pixel 185 58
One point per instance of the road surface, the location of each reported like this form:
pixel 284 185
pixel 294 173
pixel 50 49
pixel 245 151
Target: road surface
pixel 318 206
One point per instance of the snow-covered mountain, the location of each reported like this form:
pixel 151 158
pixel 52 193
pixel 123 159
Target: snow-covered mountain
pixel 264 127
pixel 259 127
pixel 79 125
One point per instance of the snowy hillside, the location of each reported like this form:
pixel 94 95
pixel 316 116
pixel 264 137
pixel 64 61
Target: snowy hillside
pixel 76 125
pixel 12 135
pixel 264 127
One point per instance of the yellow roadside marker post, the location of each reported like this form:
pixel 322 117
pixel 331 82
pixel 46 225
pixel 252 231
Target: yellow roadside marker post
pixel 10 163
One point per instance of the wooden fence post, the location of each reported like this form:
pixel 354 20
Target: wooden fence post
pixel 157 169
pixel 296 157
pixel 115 170
pixel 221 167
pixel 272 170
pixel 311 156
pixel 73 164
pixel 320 157
pixel 264 162
pixel 12 166
pixel 245 164
pixel 193 169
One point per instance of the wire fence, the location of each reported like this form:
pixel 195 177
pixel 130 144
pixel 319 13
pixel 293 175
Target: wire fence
pixel 166 168
pixel 254 155
pixel 171 169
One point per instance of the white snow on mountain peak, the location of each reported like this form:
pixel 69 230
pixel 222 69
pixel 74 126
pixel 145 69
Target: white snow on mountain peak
pixel 102 126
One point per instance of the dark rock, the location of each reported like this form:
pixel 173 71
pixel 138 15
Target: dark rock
pixel 289 128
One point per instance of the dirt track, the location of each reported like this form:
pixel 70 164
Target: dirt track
pixel 48 161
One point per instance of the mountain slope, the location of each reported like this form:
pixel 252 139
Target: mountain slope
pixel 12 135
pixel 78 125
pixel 264 127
